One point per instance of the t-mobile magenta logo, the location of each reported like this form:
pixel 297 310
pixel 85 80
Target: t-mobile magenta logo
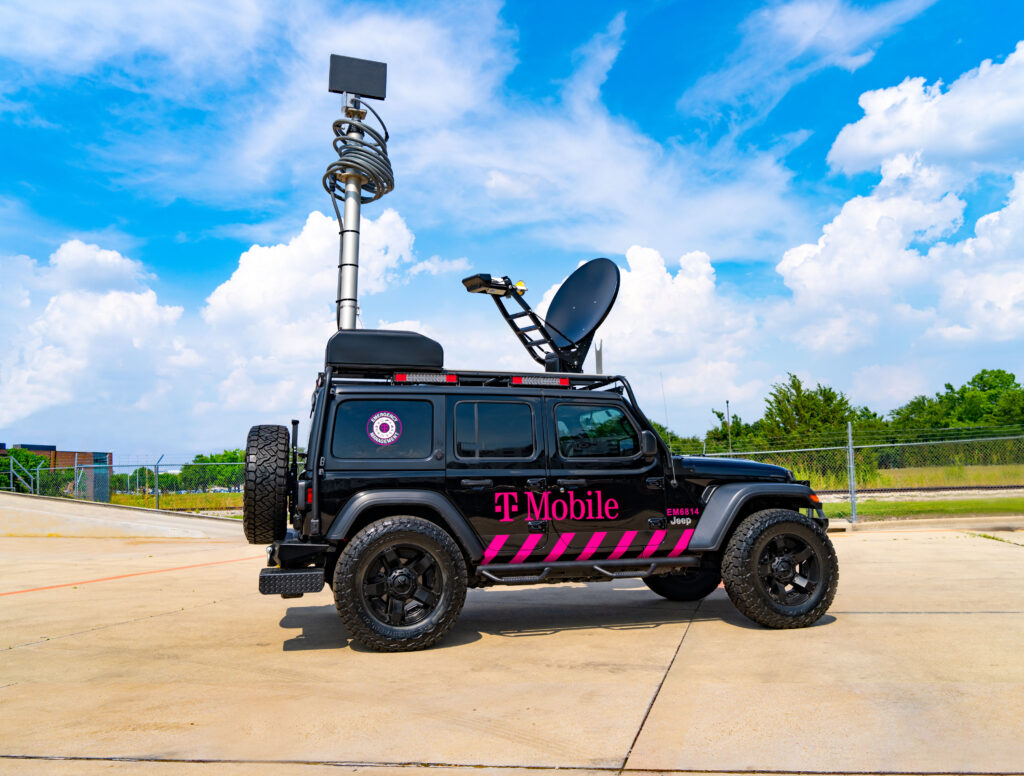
pixel 540 506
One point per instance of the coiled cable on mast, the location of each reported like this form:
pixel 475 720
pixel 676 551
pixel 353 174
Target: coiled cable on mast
pixel 361 148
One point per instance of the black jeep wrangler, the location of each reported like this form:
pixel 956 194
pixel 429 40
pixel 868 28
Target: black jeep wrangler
pixel 420 482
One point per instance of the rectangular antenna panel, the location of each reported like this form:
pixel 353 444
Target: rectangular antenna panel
pixel 358 76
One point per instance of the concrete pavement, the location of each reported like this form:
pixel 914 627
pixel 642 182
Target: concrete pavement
pixel 156 655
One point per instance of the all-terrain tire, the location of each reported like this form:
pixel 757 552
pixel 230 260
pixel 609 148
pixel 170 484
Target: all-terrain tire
pixel 359 595
pixel 265 492
pixel 755 569
pixel 686 585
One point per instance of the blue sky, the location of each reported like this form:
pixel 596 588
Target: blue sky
pixel 814 186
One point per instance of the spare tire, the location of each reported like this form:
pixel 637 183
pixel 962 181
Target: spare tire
pixel 265 497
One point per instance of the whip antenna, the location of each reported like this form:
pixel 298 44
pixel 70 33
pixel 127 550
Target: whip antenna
pixel 362 173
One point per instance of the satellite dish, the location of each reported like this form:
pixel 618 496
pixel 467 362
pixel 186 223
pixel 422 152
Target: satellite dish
pixel 580 306
pixel 583 302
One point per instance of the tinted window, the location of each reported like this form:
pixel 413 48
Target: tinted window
pixel 382 429
pixel 486 429
pixel 589 431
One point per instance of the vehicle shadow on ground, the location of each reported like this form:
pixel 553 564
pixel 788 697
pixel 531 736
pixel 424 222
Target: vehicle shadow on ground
pixel 534 612
pixel 321 628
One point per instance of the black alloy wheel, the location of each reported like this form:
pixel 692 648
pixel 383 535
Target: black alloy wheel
pixel 400 584
pixel 789 570
pixel 780 569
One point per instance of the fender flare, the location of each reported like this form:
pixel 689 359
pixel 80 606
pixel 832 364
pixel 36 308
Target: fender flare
pixel 726 502
pixel 455 522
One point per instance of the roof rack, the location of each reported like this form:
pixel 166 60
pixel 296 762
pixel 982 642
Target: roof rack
pixel 571 380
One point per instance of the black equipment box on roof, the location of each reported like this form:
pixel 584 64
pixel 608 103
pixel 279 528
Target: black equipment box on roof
pixel 362 349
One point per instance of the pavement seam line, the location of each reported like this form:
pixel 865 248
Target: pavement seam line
pixel 125 576
pixel 657 690
pixel 598 768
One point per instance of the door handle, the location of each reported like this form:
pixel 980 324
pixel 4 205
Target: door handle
pixel 572 483
pixel 537 526
pixel 535 483
pixel 474 483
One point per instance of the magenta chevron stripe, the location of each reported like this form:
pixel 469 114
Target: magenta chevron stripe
pixel 526 549
pixel 653 544
pixel 556 551
pixel 682 544
pixel 624 542
pixel 494 547
pixel 592 545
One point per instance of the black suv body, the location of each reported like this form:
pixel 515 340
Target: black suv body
pixel 419 482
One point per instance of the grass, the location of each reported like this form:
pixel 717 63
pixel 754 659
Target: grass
pixel 898 510
pixel 183 502
pixel 910 477
pixel 945 476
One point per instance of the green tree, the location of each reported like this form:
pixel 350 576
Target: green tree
pixel 217 470
pixel 993 397
pixel 24 460
pixel 743 436
pixel 792 409
pixel 676 443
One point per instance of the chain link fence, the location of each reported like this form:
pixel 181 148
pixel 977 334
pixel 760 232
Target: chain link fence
pixel 904 473
pixel 873 473
pixel 189 487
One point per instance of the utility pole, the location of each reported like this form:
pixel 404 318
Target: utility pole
pixel 728 425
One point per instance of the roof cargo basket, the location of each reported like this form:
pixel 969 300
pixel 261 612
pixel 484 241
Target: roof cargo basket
pixel 371 350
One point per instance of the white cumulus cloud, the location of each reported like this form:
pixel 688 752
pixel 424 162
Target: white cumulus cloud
pixel 976 122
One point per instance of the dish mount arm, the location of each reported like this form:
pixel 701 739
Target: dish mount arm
pixel 532 331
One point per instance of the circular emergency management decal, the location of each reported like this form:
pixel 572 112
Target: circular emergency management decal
pixel 384 428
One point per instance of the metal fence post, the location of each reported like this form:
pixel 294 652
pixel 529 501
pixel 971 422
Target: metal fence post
pixel 852 473
pixel 156 471
pixel 74 481
pixel 39 476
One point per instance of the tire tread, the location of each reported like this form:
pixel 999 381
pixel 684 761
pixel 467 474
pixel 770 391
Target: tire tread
pixel 738 574
pixel 365 630
pixel 265 492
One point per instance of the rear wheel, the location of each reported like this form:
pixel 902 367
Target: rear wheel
pixel 265 492
pixel 780 569
pixel 400 584
pixel 686 584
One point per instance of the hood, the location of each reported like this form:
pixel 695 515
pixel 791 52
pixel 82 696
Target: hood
pixel 706 468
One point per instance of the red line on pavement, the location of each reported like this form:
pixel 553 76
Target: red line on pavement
pixel 125 576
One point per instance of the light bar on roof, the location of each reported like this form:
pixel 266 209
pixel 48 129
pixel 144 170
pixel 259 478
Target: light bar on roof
pixel 535 380
pixel 426 377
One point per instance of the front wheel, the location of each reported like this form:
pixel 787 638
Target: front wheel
pixel 400 584
pixel 780 569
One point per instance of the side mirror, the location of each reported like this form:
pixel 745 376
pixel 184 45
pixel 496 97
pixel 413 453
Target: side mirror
pixel 648 445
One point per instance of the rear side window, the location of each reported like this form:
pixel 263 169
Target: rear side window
pixel 369 429
pixel 488 429
pixel 594 431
